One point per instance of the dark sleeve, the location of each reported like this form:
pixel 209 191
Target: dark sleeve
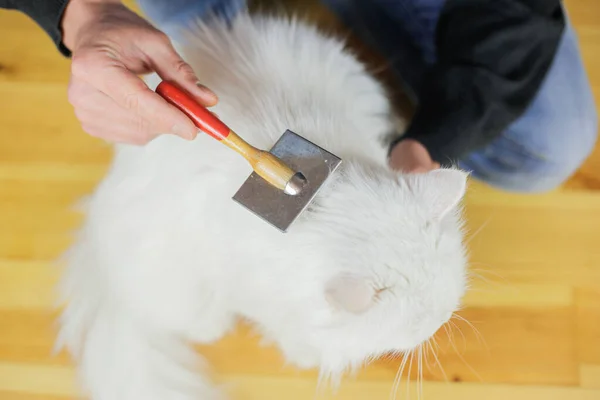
pixel 46 13
pixel 492 59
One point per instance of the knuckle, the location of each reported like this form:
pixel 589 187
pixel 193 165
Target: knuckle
pixel 92 132
pixel 183 68
pixel 133 96
pixel 178 64
pixel 79 115
pixel 140 139
pixel 74 95
pixel 131 101
pixel 162 38
pixel 83 62
pixel 148 138
pixel 141 132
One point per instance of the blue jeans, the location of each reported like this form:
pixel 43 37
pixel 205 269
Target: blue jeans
pixel 536 153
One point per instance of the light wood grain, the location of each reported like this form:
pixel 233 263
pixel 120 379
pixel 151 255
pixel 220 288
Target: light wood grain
pixel 534 304
pixel 50 381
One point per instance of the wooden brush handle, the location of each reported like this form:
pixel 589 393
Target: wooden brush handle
pixel 264 163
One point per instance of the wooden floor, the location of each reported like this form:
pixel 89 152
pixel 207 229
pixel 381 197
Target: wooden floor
pixel 536 303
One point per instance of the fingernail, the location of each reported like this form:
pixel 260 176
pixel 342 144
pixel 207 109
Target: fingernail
pixel 183 132
pixel 207 93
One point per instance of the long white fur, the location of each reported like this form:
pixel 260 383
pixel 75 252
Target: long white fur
pixel 165 258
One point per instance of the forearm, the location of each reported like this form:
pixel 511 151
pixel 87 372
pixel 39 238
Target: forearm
pixel 492 59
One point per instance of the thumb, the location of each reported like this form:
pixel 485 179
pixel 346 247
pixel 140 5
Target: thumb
pixel 170 66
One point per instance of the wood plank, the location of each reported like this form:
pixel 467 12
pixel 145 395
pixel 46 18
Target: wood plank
pixel 27 285
pixel 588 325
pixel 589 376
pixel 4 395
pixel 58 381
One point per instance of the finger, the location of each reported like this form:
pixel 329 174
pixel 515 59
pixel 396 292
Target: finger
pixel 101 117
pixel 112 129
pixel 117 135
pixel 170 66
pixel 149 106
pixel 131 93
pixel 118 129
pixel 417 170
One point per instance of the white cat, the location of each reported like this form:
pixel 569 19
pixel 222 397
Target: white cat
pixel 165 257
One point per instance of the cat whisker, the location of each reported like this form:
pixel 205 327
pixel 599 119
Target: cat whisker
pixel 461 334
pixel 477 232
pixel 480 337
pixel 398 377
pixel 412 352
pixel 427 348
pixel 466 363
pixel 437 346
pixel 473 276
pixel 437 360
pixel 420 376
pixel 489 269
pixel 448 329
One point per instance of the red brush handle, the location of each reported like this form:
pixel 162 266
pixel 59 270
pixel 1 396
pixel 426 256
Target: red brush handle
pixel 202 118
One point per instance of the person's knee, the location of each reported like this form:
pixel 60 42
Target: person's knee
pixel 552 167
pixel 546 146
pixel 558 164
pixel 531 166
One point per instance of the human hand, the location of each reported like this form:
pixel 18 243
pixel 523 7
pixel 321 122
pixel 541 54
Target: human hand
pixel 111 45
pixel 410 156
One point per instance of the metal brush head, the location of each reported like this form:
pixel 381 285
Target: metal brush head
pixel 314 166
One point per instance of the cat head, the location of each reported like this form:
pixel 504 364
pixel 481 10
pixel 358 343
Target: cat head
pixel 395 261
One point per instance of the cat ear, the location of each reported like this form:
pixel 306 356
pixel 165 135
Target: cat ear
pixel 350 293
pixel 439 190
